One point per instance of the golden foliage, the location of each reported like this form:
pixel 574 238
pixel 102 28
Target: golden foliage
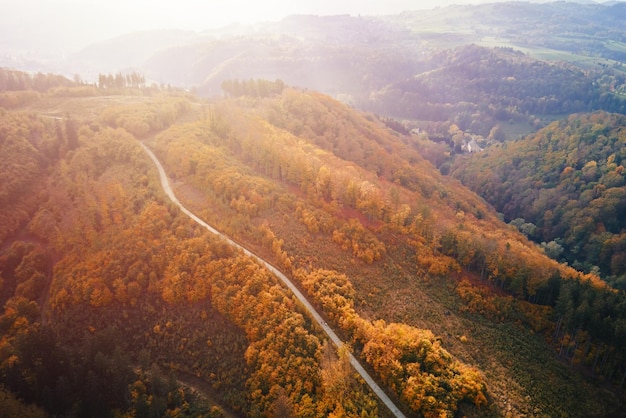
pixel 409 360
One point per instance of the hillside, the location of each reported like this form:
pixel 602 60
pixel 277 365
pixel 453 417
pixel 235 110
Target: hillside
pixel 565 185
pixel 478 88
pixel 341 55
pixel 453 311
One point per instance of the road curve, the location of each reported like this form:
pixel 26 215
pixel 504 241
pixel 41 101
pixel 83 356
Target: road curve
pixel 316 316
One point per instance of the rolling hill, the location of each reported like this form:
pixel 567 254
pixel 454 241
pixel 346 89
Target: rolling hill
pixel 478 67
pixel 452 310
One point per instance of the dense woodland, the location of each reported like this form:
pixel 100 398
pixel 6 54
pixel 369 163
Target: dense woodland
pixel 476 88
pixel 563 187
pixel 115 303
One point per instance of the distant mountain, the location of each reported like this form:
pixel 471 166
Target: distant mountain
pixel 339 55
pixel 585 29
pixel 361 60
pixel 128 51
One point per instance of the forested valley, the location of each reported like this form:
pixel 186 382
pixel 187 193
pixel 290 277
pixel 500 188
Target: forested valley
pixel 115 303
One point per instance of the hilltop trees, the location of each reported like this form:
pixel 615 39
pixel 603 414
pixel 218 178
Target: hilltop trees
pixel 11 80
pixel 120 81
pixel 252 87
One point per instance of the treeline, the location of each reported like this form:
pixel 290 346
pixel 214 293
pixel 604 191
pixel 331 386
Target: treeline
pixel 18 88
pixel 12 80
pixel 120 81
pixel 252 87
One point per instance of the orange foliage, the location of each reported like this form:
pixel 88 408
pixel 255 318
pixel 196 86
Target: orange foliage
pixel 483 301
pixel 409 360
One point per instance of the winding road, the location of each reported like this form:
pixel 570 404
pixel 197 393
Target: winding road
pixel 314 314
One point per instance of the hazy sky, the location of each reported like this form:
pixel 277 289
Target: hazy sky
pixel 199 14
pixel 78 22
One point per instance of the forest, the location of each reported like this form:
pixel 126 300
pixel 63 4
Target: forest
pixel 446 187
pixel 477 88
pixel 564 188
pixel 117 304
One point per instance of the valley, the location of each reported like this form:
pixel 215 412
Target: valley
pixel 418 214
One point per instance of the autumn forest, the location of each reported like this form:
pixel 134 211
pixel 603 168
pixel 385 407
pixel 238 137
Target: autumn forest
pixel 467 283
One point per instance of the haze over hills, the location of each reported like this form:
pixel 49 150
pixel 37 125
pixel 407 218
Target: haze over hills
pixel 400 65
pixel 332 147
pixel 371 62
pixel 48 37
pixel 65 26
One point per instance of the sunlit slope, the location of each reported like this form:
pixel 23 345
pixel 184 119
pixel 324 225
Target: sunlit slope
pixel 111 261
pixel 136 283
pixel 318 186
pixel 81 262
pixel 412 268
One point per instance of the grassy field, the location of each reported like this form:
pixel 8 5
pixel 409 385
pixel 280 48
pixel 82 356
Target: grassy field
pixel 615 46
pixel 547 54
pixel 519 129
